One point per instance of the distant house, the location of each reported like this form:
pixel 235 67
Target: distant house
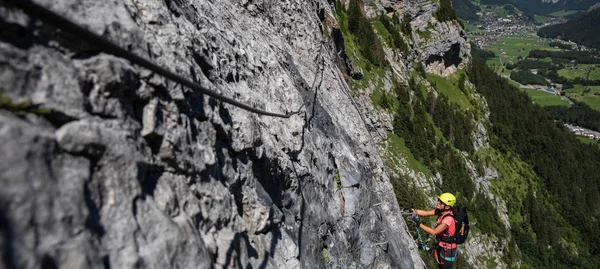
pixel 583 132
pixel 504 54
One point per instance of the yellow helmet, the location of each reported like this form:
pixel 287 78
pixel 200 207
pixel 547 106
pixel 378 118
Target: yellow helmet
pixel 447 198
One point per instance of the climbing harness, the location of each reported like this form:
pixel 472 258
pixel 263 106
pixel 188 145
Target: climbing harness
pixel 443 254
pixel 37 11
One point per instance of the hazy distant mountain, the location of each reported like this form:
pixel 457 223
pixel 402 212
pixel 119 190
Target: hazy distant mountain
pixel 583 30
pixel 545 7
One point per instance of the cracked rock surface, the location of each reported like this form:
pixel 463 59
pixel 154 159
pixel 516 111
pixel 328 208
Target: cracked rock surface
pixel 122 168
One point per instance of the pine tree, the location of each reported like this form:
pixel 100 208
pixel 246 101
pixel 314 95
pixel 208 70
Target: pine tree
pixel 354 17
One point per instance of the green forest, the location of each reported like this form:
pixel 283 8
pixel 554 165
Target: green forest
pixel 445 12
pixel 579 114
pixel 465 9
pixel 369 44
pixel 554 231
pixel 581 57
pixel 582 30
pixel 568 169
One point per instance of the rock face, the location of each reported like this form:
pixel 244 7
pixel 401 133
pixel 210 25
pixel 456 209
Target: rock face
pixel 122 168
pixel 442 47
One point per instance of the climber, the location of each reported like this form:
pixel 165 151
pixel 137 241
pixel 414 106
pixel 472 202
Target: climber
pixel 445 253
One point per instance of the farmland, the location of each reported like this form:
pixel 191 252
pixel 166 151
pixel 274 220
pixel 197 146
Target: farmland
pixel 589 95
pixel 543 98
pixel 511 49
pixel 586 71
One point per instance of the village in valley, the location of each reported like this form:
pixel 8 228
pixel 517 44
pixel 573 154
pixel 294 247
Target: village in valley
pixel 501 21
pixel 583 132
pixel 511 36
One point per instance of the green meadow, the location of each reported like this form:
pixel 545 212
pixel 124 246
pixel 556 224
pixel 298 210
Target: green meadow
pixel 449 87
pixel 540 19
pixel 592 100
pixel 580 90
pixel 545 99
pixel 589 95
pixel 472 29
pixel 514 83
pixel 562 13
pixel 586 71
pixel 511 49
pixel 589 141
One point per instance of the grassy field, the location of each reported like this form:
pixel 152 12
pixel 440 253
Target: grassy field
pixel 572 73
pixel 562 13
pixel 512 48
pixel 516 47
pixel 540 19
pixel 545 99
pixel 579 89
pixel 587 71
pixel 498 65
pixel 472 29
pixel 586 140
pixel 449 87
pixel 593 101
pixel 514 83
pixel 591 97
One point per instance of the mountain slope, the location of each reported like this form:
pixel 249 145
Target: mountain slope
pixel 106 164
pixel 582 30
pixel 565 178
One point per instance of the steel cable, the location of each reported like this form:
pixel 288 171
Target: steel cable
pixel 36 11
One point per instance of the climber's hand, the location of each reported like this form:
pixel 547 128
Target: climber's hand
pixel 415 219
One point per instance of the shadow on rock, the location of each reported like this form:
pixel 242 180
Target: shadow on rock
pixel 239 240
pixel 6 238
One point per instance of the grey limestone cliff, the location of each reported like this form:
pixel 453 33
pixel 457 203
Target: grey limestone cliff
pixel 442 47
pixel 118 167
